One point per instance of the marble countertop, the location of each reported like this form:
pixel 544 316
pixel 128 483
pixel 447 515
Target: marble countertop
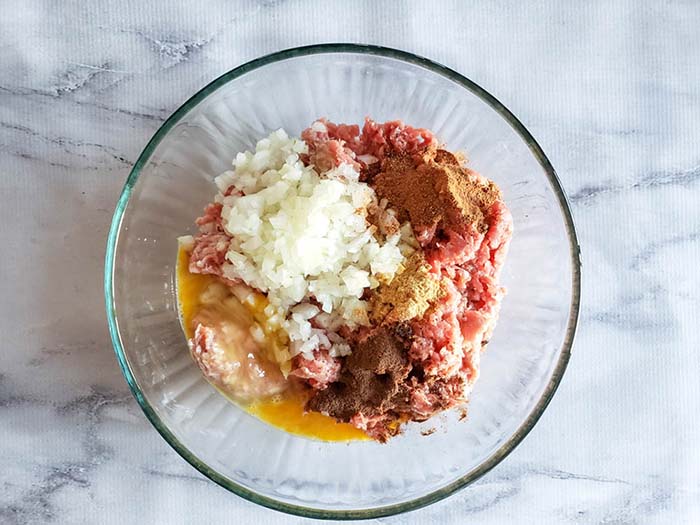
pixel 609 89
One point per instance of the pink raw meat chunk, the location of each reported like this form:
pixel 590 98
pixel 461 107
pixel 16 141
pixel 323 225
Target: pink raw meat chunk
pixel 333 144
pixel 211 243
pixel 319 371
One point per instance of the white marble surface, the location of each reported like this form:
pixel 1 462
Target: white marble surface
pixel 610 91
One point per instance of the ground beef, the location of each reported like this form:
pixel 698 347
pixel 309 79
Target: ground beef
pixel 333 144
pixel 210 244
pixel 320 371
pixel 209 253
pixel 394 137
pixel 225 351
pixel 210 221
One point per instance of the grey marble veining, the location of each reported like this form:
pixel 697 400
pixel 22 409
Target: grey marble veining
pixel 609 89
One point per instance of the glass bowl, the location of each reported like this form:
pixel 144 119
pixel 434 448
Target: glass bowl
pixel 173 180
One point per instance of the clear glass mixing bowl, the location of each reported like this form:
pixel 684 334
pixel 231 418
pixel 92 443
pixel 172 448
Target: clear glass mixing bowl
pixel 172 181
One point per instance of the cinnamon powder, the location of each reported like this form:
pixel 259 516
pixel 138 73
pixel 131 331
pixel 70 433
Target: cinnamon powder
pixel 371 377
pixel 435 188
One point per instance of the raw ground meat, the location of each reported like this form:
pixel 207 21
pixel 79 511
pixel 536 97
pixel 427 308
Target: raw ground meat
pixel 227 354
pixel 380 140
pixel 333 144
pixel 210 244
pixel 320 371
pixel 209 253
pixel 210 221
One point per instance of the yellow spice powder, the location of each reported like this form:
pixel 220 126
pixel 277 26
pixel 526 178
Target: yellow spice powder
pixel 408 295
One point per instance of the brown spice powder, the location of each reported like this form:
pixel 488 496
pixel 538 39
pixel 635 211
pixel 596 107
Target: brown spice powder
pixel 435 188
pixel 371 377
pixel 410 193
pixel 461 188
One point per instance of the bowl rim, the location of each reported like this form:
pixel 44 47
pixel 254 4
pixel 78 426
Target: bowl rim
pixel 524 428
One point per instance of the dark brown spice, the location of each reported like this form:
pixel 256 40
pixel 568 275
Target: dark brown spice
pixel 371 377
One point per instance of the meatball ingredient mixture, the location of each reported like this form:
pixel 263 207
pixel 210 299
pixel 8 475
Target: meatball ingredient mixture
pixel 372 258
